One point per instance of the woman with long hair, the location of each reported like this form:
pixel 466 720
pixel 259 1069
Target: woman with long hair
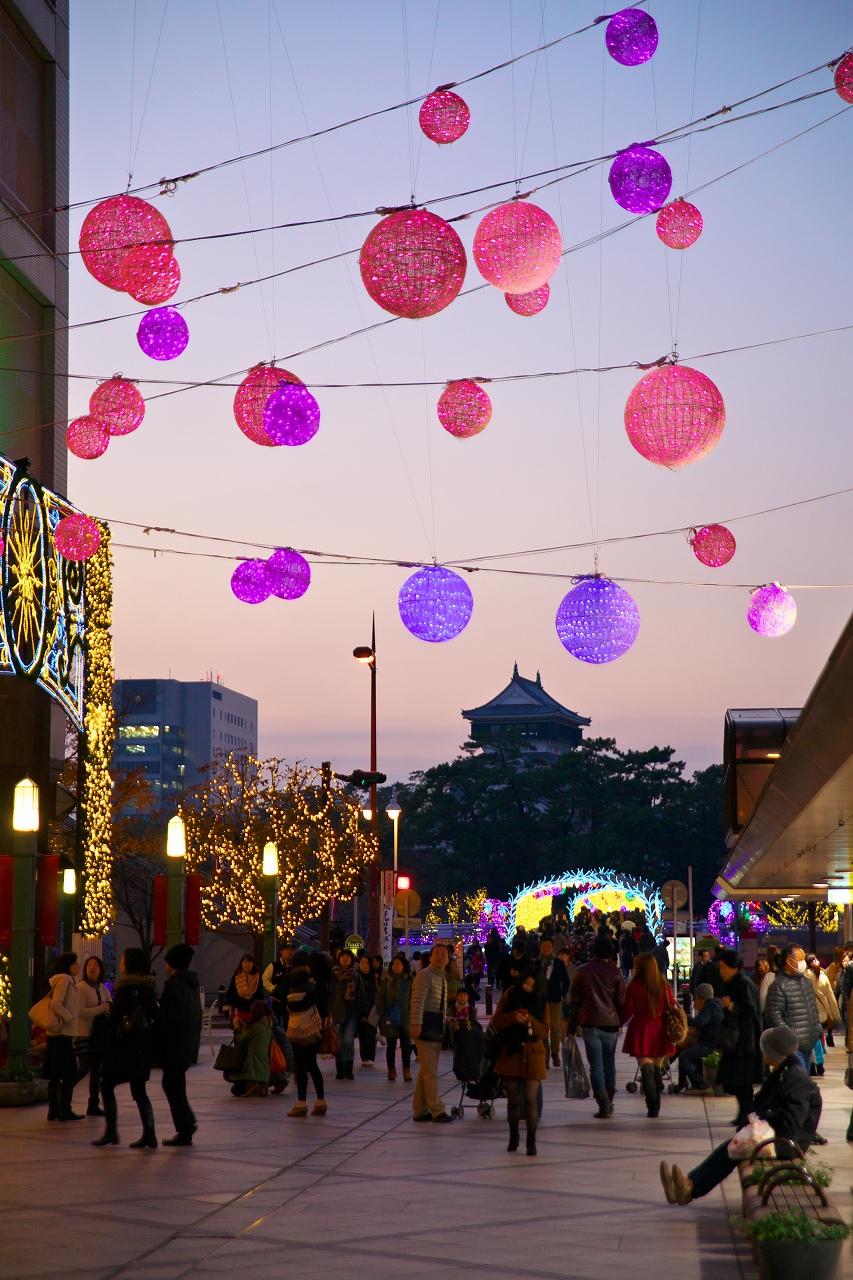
pixel 129 1046
pixel 60 1065
pixel 521 1020
pixel 245 987
pixel 94 1000
pixel 647 1038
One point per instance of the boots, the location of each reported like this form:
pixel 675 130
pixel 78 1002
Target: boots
pixel 53 1099
pixel 611 1094
pixel 392 1074
pixel 340 1071
pixel 513 1136
pixel 659 1080
pixel 650 1093
pixel 93 1109
pixel 407 1074
pixel 320 1107
pixel 110 1138
pixel 531 1142
pixel 149 1137
pixel 605 1109
pixel 64 1112
pixel 299 1109
pixel 348 1070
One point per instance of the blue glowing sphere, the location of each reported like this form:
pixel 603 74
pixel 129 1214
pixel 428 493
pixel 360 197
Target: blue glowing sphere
pixel 597 621
pixel 435 604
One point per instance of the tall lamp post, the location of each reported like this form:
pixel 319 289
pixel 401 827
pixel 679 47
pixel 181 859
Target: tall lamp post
pixel 25 825
pixel 176 852
pixel 393 810
pixel 270 870
pixel 366 654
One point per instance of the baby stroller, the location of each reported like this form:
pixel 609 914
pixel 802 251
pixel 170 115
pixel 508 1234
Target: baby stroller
pixel 467 1061
pixel 483 1092
pixel 633 1085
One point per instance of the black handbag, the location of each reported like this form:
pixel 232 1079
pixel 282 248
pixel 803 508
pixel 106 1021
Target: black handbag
pixel 230 1057
pixel 432 1021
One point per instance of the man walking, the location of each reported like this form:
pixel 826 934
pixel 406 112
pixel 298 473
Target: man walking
pixel 178 1032
pixel 428 1012
pixel 791 1003
pixel 557 986
pixel 596 1000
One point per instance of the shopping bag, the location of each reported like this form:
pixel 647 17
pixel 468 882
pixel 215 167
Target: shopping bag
pixel 574 1070
pixel 43 1016
pixel 330 1042
pixel 229 1058
pixel 748 1138
pixel 278 1062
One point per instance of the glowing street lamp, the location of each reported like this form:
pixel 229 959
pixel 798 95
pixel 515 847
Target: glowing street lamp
pixel 393 810
pixel 25 825
pixel 25 815
pixel 176 852
pixel 270 892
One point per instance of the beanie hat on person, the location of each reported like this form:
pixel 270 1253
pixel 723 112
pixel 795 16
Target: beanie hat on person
pixel 179 956
pixel 704 991
pixel 778 1043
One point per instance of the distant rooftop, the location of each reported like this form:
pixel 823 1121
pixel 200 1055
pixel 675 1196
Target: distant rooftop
pixel 524 708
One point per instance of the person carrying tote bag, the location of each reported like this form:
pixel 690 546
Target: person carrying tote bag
pixel 60 1064
pixel 307 1014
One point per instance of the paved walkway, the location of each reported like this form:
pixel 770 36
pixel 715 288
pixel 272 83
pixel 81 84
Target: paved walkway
pixel 364 1191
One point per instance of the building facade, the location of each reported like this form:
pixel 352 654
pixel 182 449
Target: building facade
pixel 529 715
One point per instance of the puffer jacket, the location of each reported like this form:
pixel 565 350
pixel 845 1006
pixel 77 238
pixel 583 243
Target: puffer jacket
pixel 791 1003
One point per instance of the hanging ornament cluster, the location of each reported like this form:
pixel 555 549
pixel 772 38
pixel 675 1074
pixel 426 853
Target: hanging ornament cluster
pixel 291 414
pixel 435 604
pixel 126 244
pixel 285 574
pixel 772 610
pixel 464 409
pixel 251 399
pixel 77 537
pixel 598 620
pixel 631 37
pixel 679 224
pixel 413 263
pixel 163 333
pixel 115 409
pixel 444 116
pixel 713 545
pixel 844 78
pixel 674 416
pixel 640 179
pixel 529 304
pixel 517 247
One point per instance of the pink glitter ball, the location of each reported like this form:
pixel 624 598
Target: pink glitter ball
pixel 251 400
pixel 844 78
pixel 713 545
pixel 464 409
pixel 77 537
pixel 679 224
pixel 118 405
pixel 87 438
pixel 112 229
pixel 150 273
pixel 413 263
pixel 674 416
pixel 251 582
pixel 444 116
pixel 517 247
pixel 772 610
pixel 529 304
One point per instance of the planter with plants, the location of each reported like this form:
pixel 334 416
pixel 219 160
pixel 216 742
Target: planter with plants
pixel 18 1088
pixel 710 1064
pixel 793 1244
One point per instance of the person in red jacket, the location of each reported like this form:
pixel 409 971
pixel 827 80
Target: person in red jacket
pixel 647 1039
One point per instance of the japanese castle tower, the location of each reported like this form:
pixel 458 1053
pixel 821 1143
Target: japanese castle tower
pixel 524 710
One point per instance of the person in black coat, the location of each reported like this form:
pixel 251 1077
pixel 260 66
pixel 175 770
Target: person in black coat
pixel 741 1065
pixel 128 1046
pixel 510 965
pixel 178 1030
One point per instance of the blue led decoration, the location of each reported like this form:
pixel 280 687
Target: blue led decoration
pixel 580 887
pixel 597 621
pixel 435 604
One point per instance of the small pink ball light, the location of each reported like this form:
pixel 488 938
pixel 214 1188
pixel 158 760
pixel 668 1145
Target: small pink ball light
pixel 77 537
pixel 517 247
pixel 289 573
pixel 291 414
pixel 251 582
pixel 844 78
pixel 413 263
pixel 444 116
pixel 251 400
pixel 713 545
pixel 529 304
pixel 772 610
pixel 163 333
pixel 112 229
pixel 674 416
pixel 640 179
pixel 118 405
pixel 150 273
pixel 87 438
pixel 679 224
pixel 631 37
pixel 464 409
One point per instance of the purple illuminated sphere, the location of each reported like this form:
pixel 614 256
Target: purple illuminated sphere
pixel 772 610
pixel 291 415
pixel 640 179
pixel 289 573
pixel 597 621
pixel 435 604
pixel 631 37
pixel 163 333
pixel 251 582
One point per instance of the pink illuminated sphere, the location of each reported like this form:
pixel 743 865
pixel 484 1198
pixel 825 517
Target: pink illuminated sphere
pixel 444 116
pixel 772 610
pixel 77 537
pixel 118 405
pixel 713 545
pixel 413 263
pixel 464 409
pixel 251 582
pixel 112 229
pixel 844 78
pixel 150 274
pixel 289 573
pixel 87 438
pixel 674 416
pixel 679 224
pixel 251 400
pixel 517 247
pixel 529 304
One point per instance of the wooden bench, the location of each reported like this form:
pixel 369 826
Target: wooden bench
pixel 785 1184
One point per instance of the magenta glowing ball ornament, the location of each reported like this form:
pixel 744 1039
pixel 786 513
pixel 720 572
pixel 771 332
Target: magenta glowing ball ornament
pixel 291 414
pixel 118 405
pixel 77 537
pixel 251 582
pixel 163 333
pixel 150 274
pixel 598 620
pixel 464 409
pixel 517 247
pixel 674 416
pixel 713 545
pixel 679 224
pixel 844 78
pixel 251 400
pixel 87 438
pixel 112 229
pixel 640 179
pixel 772 610
pixel 435 604
pixel 529 304
pixel 289 573
pixel 444 116
pixel 631 37
pixel 413 263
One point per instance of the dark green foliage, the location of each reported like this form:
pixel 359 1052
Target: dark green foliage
pixel 793 1224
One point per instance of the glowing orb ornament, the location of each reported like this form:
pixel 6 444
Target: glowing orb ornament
pixel 517 247
pixel 679 224
pixel 118 405
pixel 251 400
pixel 77 537
pixel 464 409
pixel 435 604
pixel 713 545
pixel 597 621
pixel 844 78
pixel 251 582
pixel 150 273
pixel 444 116
pixel 413 263
pixel 87 438
pixel 289 573
pixel 529 304
pixel 291 414
pixel 772 610
pixel 631 37
pixel 163 333
pixel 674 416
pixel 112 229
pixel 640 179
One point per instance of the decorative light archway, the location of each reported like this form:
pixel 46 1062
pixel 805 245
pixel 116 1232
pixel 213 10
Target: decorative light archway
pixel 601 890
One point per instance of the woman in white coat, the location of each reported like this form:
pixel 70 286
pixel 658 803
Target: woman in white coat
pixel 94 999
pixel 827 1005
pixel 60 1064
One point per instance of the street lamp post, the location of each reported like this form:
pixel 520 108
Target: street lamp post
pixel 367 655
pixel 393 810
pixel 25 824
pixel 270 870
pixel 176 850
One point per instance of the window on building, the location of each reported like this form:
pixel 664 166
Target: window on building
pixel 139 731
pixel 20 392
pixel 22 127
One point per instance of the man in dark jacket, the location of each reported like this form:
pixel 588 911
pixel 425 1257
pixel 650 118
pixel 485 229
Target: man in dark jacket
pixel 596 1000
pixel 557 984
pixel 707 1020
pixel 511 965
pixel 178 1031
pixel 791 1003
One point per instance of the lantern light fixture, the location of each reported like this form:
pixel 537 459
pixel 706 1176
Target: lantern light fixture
pixel 25 813
pixel 270 859
pixel 176 838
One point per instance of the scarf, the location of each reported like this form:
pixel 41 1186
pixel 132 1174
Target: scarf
pixel 350 977
pixel 246 984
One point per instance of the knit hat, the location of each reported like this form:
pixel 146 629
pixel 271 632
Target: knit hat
pixel 704 991
pixel 778 1043
pixel 179 956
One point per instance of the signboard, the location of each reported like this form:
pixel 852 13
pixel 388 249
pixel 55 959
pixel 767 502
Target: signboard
pixel 415 924
pixel 388 888
pixel 674 889
pixel 748 950
pixel 407 896
pixel 354 943
pixel 387 932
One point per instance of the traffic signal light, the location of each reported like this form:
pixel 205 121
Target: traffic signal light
pixel 404 883
pixel 362 778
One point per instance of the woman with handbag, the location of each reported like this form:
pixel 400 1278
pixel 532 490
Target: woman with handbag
pixel 394 1006
pixel 60 1064
pixel 245 987
pixel 647 999
pixel 366 1001
pixel 521 1022
pixel 307 1013
pixel 128 1046
pixel 252 1079
pixel 344 1003
pixel 94 999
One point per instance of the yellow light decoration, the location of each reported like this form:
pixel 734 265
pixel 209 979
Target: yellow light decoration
pixel 5 986
pixel 794 915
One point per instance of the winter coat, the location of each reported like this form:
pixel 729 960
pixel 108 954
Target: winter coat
pixel 179 1022
pixel 429 994
pixel 827 1007
pixel 91 995
pixel 493 950
pixel 766 983
pixel 844 986
pixel 790 1102
pixel 522 1056
pixel 366 995
pixel 395 989
pixel 741 1064
pixel 597 996
pixel 64 1004
pixel 255 1039
pixel 558 979
pixel 646 1036
pixel 711 974
pixel 129 1029
pixel 708 1022
pixel 507 965
pixel 791 1003
pixel 340 1008
pixel 303 1002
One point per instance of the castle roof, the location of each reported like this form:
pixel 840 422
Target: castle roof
pixel 524 701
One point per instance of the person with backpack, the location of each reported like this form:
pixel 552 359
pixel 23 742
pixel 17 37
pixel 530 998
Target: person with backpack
pixel 60 1064
pixel 178 1032
pixel 129 1046
pixel 307 1014
pixel 647 998
pixel 596 1000
pixel 394 1005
